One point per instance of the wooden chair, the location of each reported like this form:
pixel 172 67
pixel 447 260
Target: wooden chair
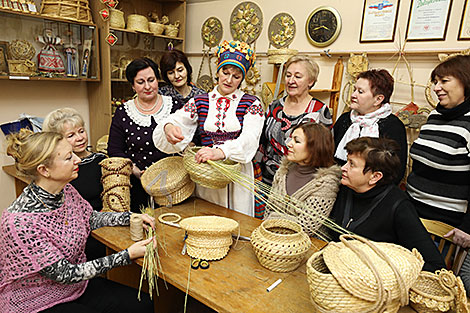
pixel 452 259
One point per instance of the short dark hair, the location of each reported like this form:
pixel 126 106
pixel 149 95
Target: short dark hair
pixel 380 155
pixel 140 64
pixel 458 67
pixel 320 144
pixel 168 63
pixel 380 81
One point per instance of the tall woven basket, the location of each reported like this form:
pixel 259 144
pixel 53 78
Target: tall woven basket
pixel 362 276
pixel 280 245
pixel 74 10
pixel 116 182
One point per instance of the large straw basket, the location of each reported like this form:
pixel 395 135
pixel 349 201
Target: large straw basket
pixel 209 237
pixel 116 18
pixel 362 276
pixel 116 184
pixel 205 174
pixel 438 292
pixel 74 10
pixel 167 181
pixel 138 23
pixel 280 245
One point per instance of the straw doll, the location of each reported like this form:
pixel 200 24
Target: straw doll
pixel 229 122
pixel 307 174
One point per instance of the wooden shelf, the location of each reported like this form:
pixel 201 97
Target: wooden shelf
pixel 46 17
pixel 144 33
pixel 65 79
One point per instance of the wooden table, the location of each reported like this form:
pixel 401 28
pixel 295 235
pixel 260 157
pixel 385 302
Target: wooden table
pixel 237 283
pixel 20 181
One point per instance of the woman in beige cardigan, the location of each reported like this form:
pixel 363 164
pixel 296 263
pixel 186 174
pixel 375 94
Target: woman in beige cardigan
pixel 309 175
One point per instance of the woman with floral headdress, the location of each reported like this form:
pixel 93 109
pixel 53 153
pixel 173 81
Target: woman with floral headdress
pixel 230 124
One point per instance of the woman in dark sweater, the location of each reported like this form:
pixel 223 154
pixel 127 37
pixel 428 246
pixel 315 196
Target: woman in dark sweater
pixel 371 205
pixel 371 116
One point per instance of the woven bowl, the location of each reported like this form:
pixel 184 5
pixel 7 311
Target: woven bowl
pixel 209 237
pixel 432 292
pixel 280 245
pixel 341 282
pixel 205 174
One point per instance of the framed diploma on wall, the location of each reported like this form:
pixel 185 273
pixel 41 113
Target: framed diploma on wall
pixel 428 20
pixel 379 20
pixel 464 30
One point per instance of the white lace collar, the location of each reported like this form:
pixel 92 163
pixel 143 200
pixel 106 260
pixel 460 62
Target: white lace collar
pixel 236 95
pixel 145 120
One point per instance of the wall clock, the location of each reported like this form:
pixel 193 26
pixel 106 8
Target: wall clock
pixel 323 26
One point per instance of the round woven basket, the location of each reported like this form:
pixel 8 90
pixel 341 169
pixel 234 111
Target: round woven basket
pixel 280 245
pixel 205 174
pixel 433 292
pixel 116 19
pixel 341 281
pixel 209 237
pixel 156 28
pixel 74 10
pixel 279 56
pixel 168 181
pixel 138 23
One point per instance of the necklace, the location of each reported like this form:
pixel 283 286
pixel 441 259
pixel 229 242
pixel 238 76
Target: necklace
pixel 142 108
pixel 66 222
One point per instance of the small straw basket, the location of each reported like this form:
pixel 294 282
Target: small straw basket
pixel 167 181
pixel 438 292
pixel 209 237
pixel 74 10
pixel 362 276
pixel 205 174
pixel 280 245
pixel 156 28
pixel 116 19
pixel 138 23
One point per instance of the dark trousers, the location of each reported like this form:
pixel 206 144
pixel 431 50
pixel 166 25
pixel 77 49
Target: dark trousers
pixel 105 296
pixel 139 197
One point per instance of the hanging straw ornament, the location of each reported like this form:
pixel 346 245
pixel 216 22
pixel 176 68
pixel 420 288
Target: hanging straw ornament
pixel 211 34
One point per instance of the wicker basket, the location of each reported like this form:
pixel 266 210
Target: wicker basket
pixel 116 19
pixel 205 174
pixel 138 23
pixel 362 276
pixel 74 10
pixel 156 28
pixel 172 30
pixel 438 292
pixel 280 245
pixel 209 237
pixel 167 181
pixel 116 184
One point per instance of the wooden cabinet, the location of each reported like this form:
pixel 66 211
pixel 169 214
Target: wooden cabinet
pixel 130 45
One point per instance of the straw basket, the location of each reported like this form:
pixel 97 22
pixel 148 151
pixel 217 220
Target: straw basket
pixel 115 178
pixel 205 174
pixel 102 144
pixel 138 23
pixel 439 292
pixel 74 10
pixel 362 276
pixel 172 30
pixel 209 237
pixel 116 19
pixel 156 28
pixel 167 181
pixel 279 56
pixel 280 245
pixel 116 165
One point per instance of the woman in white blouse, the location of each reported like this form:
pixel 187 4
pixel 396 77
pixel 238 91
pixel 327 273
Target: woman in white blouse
pixel 230 123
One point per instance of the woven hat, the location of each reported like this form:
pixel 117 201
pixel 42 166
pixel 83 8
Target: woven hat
pixel 235 53
pixel 205 174
pixel 280 245
pixel 209 237
pixel 168 181
pixel 361 275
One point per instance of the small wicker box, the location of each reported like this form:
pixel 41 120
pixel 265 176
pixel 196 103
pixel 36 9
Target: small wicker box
pixel 74 10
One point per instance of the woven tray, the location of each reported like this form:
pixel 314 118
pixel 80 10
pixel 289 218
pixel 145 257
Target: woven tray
pixel 74 10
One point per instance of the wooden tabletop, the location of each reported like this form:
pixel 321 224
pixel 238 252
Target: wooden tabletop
pixel 237 283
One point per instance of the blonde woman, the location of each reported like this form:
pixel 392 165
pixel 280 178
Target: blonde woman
pixel 43 234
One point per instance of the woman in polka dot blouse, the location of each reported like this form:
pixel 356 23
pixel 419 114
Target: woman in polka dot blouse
pixel 130 135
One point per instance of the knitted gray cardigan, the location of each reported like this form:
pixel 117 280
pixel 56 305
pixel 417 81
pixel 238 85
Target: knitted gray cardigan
pixel 318 197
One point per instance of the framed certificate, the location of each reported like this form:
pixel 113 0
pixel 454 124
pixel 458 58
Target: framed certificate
pixel 428 20
pixel 379 19
pixel 464 30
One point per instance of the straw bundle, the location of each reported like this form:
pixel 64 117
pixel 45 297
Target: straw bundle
pixel 280 245
pixel 362 276
pixel 168 181
pixel 438 292
pixel 74 10
pixel 209 237
pixel 115 178
pixel 116 19
pixel 205 174
pixel 138 23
